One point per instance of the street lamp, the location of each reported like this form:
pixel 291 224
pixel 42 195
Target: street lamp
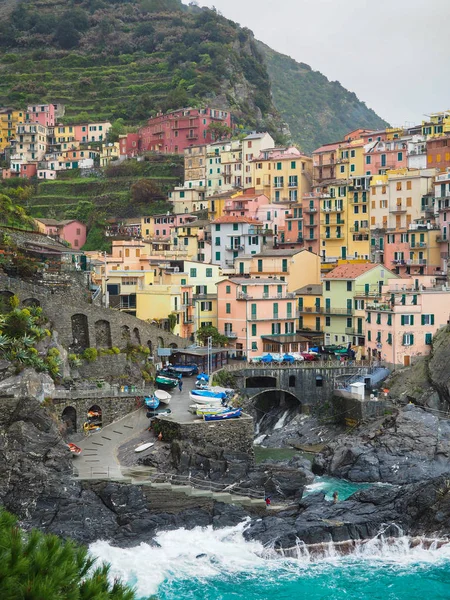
pixel 209 356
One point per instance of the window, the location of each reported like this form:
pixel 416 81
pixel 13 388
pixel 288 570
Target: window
pixel 228 289
pixel 209 272
pixel 368 160
pixel 217 227
pixel 408 339
pixel 342 169
pixel 427 319
pixel 275 310
pixel 284 268
pixel 399 185
pixel 217 255
pixel 78 231
pixel 327 321
pixel 279 166
pixel 399 156
pixel 183 282
pixel 428 339
pixel 228 308
pixel 260 266
pixel 186 241
pixel 127 252
pixel 409 185
pixel 253 308
pixel 217 242
pixel 349 286
pixel 254 330
pixel 254 345
pixel 407 319
pixel 193 272
pixel 327 286
pixel 369 336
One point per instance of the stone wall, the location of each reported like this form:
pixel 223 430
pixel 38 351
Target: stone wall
pixel 105 367
pixel 112 408
pixel 348 409
pixel 81 325
pixel 310 385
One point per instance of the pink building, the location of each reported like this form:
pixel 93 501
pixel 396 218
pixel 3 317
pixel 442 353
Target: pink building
pixel 179 129
pixel 71 231
pixel 257 315
pixel 129 144
pixel 382 154
pixel 400 327
pixel 43 114
pixel 28 170
pixel 246 204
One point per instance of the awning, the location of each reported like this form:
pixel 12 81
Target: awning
pixel 285 339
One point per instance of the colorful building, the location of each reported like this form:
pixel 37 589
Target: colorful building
pixel 233 238
pixel 282 174
pixel 346 290
pixel 173 132
pixel 310 309
pixel 256 315
pixel 9 120
pixel 69 230
pixel 401 325
pixel 42 113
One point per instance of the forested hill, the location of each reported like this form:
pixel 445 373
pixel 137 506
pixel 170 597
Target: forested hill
pixel 127 58
pixel 110 59
pixel 317 110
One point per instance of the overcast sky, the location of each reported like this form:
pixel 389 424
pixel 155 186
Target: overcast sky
pixel 392 53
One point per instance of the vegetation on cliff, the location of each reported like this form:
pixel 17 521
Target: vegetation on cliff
pixel 128 59
pixel 35 565
pixel 317 110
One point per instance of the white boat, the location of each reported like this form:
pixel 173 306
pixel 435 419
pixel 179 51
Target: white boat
pixel 163 396
pixel 143 447
pixel 205 400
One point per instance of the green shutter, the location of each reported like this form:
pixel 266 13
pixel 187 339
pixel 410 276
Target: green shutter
pixel 412 340
pixel 411 319
pixel 432 319
pixel 253 330
pixel 403 320
pixel 423 319
pixel 369 336
pixel 428 339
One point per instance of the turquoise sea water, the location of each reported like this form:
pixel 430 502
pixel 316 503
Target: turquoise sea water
pixel 204 564
pixel 329 485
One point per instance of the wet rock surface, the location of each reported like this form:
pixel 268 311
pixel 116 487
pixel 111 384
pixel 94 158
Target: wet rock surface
pixel 411 445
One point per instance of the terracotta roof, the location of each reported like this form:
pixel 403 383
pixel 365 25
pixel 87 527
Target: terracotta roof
pixel 280 251
pixel 227 219
pixel 329 147
pixel 350 271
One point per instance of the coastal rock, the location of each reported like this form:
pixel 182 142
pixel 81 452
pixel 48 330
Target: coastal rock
pixel 28 384
pixel 411 446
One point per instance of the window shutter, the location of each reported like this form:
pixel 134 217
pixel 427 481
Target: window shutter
pixel 423 319
pixel 412 340
pixel 411 319
pixel 432 319
pixel 403 319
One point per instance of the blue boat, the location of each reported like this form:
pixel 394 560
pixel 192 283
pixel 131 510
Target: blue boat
pixel 151 402
pixel 231 414
pixel 208 394
pixel 202 377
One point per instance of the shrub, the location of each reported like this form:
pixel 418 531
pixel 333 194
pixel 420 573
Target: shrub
pixel 53 352
pixel 90 354
pixel 115 350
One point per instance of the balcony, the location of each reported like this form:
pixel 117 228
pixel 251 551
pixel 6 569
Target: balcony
pixel 192 136
pixel 418 244
pixel 335 209
pixel 310 310
pixel 333 224
pixel 230 334
pixel 310 209
pixel 188 320
pixel 398 209
pixel 441 238
pixel 338 311
pixel 359 229
pixel 331 236
pixel 310 239
pixel 234 248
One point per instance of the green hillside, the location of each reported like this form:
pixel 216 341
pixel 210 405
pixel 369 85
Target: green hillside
pixel 130 58
pixel 317 110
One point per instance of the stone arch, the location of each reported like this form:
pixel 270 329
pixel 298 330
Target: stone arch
pixel 261 382
pixel 150 346
pixel 136 337
pixel 69 419
pixel 80 331
pixel 125 334
pixel 274 409
pixel 103 334
pixel 291 380
pixel 30 302
pixel 94 418
pixel 173 345
pixel 160 342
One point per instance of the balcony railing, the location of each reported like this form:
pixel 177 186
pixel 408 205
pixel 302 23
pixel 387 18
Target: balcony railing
pixel 310 209
pixel 311 310
pixel 338 311
pixel 335 209
pixel 333 224
pixel 230 334
pixel 398 209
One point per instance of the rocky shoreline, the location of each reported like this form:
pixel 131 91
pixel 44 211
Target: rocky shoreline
pixel 409 449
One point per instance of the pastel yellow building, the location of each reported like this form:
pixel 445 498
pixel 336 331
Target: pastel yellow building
pixel 109 153
pixel 282 174
pixel 9 119
pixel 310 308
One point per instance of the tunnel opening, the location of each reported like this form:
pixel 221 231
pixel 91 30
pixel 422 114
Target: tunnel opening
pixel 261 382
pixel 274 410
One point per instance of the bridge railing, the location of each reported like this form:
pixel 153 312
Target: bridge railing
pixel 59 394
pixel 317 364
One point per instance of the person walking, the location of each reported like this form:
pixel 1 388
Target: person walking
pixel 180 384
pixel 268 501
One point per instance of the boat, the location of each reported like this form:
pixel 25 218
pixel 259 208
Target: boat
pixel 208 394
pixel 169 372
pixel 229 414
pixel 76 450
pixel 158 412
pixel 211 410
pixel 203 377
pixel 185 370
pixel 166 382
pixel 143 447
pixel 162 396
pixel 205 399
pixel 152 401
